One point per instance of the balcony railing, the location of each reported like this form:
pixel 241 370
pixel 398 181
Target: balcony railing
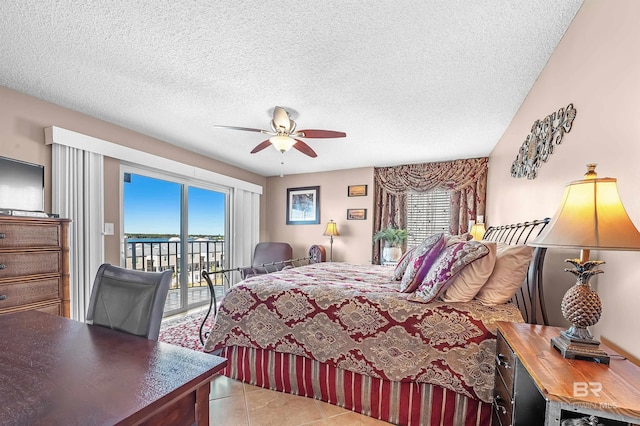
pixel 156 255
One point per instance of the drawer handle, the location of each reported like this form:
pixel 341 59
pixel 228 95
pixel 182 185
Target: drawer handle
pixel 501 362
pixel 500 408
pixel 3 266
pixel 3 235
pixel 3 296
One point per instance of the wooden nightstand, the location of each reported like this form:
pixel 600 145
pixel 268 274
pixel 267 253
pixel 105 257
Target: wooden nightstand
pixel 536 386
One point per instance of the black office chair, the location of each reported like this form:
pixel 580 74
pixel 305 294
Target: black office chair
pixel 128 300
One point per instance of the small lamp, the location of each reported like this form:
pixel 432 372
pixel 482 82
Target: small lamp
pixel 591 217
pixel 477 231
pixel 332 231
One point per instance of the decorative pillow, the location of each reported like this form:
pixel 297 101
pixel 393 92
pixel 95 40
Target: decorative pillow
pixel 508 274
pixel 450 261
pixel 423 257
pixel 469 281
pixel 402 264
pixel 453 239
pixel 401 267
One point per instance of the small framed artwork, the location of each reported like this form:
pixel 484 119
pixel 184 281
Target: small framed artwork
pixel 357 190
pixel 356 214
pixel 303 205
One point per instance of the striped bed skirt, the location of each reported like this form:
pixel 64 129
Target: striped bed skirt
pixel 404 403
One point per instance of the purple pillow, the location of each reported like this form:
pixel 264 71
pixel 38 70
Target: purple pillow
pixel 450 261
pixel 421 260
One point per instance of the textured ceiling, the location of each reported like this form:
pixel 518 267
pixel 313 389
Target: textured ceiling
pixel 408 81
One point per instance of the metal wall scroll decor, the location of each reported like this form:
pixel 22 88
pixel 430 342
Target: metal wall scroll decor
pixel 539 144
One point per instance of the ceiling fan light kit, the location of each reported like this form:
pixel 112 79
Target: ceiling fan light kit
pixel 282 143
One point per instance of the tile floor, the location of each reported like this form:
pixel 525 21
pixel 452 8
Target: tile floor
pixel 234 403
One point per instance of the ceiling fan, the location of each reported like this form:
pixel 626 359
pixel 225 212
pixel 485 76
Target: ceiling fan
pixel 284 135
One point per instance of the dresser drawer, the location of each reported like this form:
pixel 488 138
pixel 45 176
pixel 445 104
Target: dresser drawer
pixel 502 402
pixel 19 235
pixel 505 362
pixel 53 307
pixel 19 264
pixel 34 265
pixel 26 292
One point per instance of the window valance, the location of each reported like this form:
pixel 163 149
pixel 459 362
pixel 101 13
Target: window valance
pixel 453 175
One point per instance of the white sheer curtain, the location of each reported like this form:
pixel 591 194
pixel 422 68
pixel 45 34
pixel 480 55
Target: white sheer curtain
pixel 245 229
pixel 77 194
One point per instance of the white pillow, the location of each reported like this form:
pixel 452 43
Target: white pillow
pixel 508 274
pixel 470 280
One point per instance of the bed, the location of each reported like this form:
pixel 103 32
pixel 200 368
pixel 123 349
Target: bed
pixel 347 334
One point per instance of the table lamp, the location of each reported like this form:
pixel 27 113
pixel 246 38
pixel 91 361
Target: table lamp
pixel 332 231
pixel 591 217
pixel 477 231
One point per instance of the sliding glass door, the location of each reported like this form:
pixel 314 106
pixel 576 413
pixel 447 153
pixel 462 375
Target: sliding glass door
pixel 206 239
pixel 170 223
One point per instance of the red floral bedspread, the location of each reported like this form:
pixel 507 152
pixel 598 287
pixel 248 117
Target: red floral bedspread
pixel 355 318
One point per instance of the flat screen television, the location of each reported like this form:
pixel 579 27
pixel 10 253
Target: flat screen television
pixel 21 185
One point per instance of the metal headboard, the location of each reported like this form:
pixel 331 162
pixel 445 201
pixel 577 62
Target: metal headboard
pixel 530 297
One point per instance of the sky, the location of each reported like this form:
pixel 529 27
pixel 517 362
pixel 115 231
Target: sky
pixel 152 206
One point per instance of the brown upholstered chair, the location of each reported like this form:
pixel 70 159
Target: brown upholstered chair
pixel 268 257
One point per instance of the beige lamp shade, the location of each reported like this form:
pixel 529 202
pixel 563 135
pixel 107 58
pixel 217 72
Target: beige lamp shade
pixel 591 216
pixel 477 231
pixel 332 229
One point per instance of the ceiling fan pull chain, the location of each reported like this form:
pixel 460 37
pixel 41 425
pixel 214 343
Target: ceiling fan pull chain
pixel 282 166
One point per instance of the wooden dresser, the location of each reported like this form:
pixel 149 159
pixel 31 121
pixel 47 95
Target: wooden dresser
pixel 34 265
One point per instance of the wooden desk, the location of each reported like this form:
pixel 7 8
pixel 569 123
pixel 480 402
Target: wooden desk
pixel 57 371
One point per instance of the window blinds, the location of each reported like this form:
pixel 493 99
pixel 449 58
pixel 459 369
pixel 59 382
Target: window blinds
pixel 427 213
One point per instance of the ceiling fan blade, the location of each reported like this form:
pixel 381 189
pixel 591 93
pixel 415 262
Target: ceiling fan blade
pixel 245 129
pixel 262 145
pixel 320 134
pixel 304 148
pixel 281 119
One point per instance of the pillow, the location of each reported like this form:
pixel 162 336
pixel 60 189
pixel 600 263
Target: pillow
pixel 401 267
pixel 402 264
pixel 452 239
pixel 450 261
pixel 469 281
pixel 423 257
pixel 508 274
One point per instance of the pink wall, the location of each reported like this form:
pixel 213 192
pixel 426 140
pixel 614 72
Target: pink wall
pixel 596 67
pixel 22 122
pixel 354 243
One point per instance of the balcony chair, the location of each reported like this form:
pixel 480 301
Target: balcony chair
pixel 129 301
pixel 268 257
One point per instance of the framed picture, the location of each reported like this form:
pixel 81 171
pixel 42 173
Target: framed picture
pixel 356 214
pixel 357 190
pixel 303 205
